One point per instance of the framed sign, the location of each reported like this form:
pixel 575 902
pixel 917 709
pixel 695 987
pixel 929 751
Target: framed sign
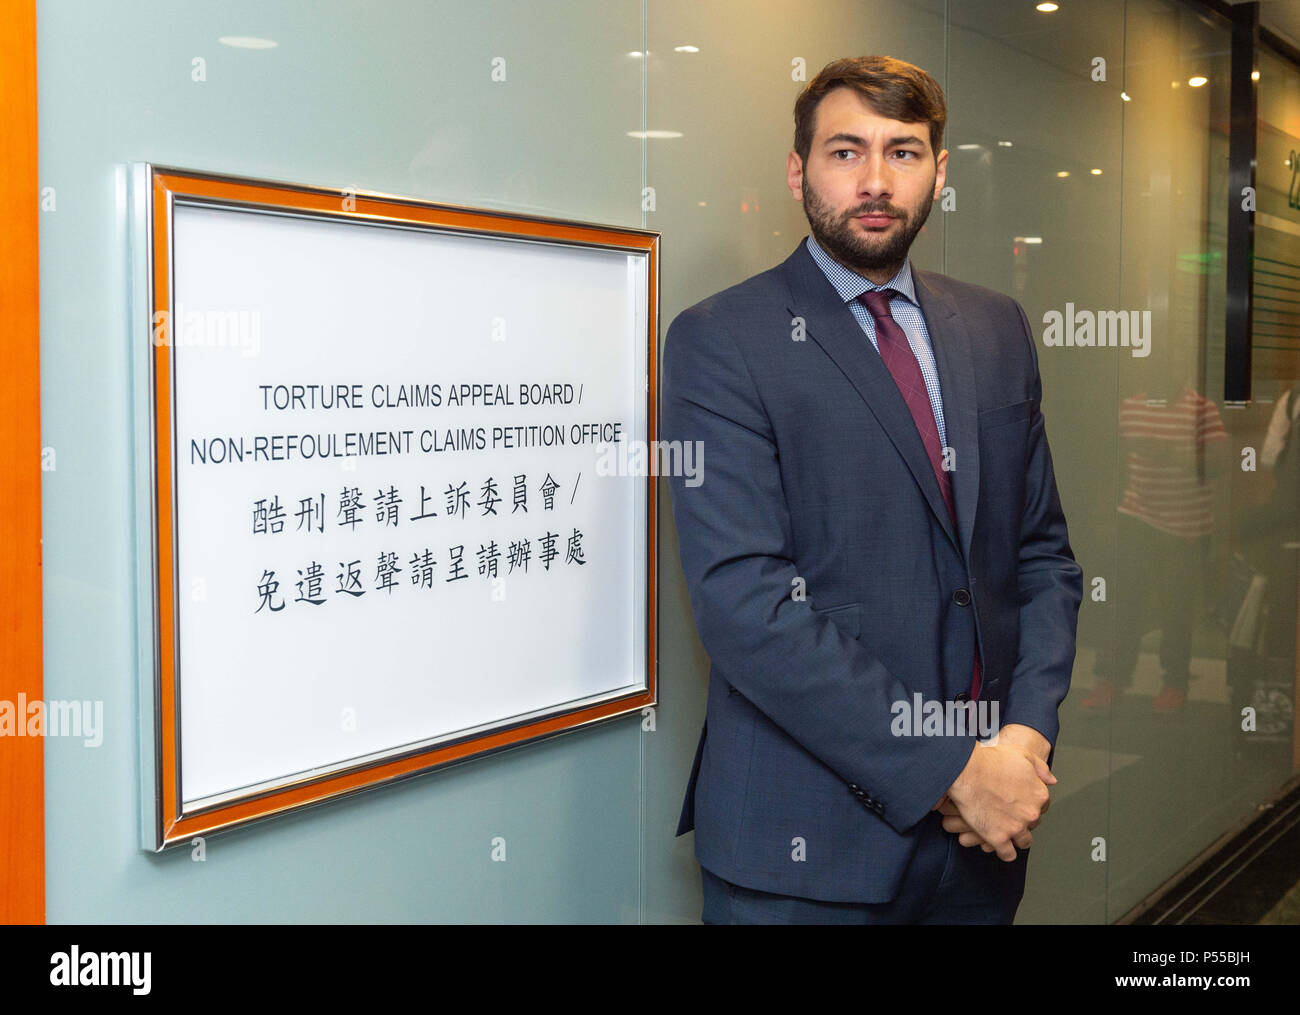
pixel 388 488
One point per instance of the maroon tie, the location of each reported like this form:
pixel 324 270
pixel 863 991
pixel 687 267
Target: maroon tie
pixel 901 362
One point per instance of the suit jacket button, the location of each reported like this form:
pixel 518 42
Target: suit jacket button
pixel 963 696
pixel 961 597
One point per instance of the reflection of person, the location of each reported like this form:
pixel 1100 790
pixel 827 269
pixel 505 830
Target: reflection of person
pixel 854 412
pixel 1271 531
pixel 1286 413
pixel 1175 445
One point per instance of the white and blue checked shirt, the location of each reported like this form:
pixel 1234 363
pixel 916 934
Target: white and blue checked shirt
pixel 904 309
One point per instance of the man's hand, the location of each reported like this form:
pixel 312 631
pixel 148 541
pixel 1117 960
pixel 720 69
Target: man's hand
pixel 1001 793
pixel 1029 739
pixel 1021 736
pixel 967 836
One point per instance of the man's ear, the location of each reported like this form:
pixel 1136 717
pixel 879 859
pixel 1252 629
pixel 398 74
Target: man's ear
pixel 940 173
pixel 794 175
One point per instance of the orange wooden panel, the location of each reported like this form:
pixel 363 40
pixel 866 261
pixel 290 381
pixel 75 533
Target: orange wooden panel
pixel 22 769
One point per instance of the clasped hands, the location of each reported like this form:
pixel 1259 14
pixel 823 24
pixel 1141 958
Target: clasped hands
pixel 1001 794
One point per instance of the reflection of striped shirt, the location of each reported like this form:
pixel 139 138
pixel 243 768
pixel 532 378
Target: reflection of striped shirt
pixel 1170 495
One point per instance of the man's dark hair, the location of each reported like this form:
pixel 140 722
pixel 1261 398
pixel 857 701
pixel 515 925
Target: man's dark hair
pixel 893 88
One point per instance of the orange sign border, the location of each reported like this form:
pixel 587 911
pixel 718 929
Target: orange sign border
pixel 173 826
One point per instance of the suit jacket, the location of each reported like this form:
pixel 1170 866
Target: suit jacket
pixel 814 477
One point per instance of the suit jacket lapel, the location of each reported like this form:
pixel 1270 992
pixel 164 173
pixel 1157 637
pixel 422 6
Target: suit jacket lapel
pixel 832 325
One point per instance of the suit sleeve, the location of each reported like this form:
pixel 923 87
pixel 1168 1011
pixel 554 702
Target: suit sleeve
pixel 821 686
pixel 1051 586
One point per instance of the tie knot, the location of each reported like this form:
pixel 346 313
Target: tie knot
pixel 877 301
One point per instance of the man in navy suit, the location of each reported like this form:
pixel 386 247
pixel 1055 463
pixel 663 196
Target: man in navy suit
pixel 877 537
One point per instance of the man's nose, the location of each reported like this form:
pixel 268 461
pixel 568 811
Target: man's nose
pixel 875 178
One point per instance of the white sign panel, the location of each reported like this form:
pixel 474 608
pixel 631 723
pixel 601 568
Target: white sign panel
pixel 394 521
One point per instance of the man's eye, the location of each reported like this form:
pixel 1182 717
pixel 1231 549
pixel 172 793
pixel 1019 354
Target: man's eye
pixel 905 151
pixel 842 151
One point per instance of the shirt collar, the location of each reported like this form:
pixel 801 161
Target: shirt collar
pixel 850 285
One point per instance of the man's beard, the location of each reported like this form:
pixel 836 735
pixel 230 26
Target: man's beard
pixel 846 243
